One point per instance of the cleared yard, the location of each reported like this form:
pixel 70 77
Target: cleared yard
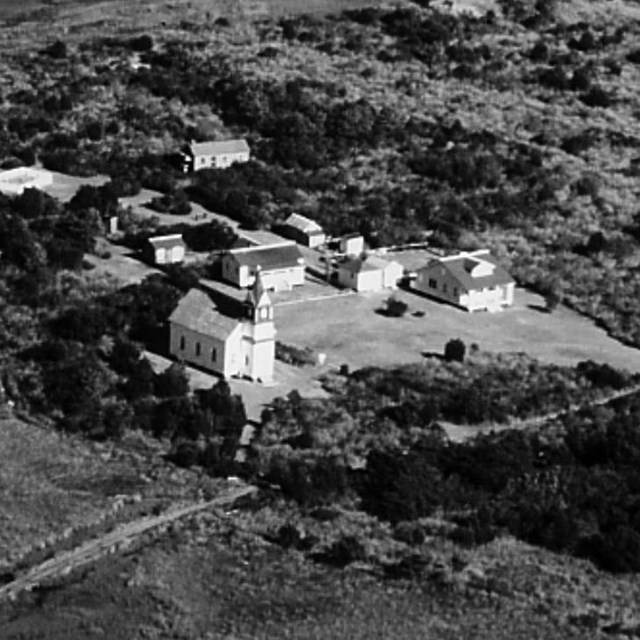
pixel 64 186
pixel 121 264
pixel 349 330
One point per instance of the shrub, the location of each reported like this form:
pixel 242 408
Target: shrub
pixel 634 56
pixel 172 382
pixel 344 551
pixel 597 97
pixel 602 374
pixel 295 355
pixel 57 50
pixel 539 52
pixel 454 350
pixel 141 43
pixel 395 308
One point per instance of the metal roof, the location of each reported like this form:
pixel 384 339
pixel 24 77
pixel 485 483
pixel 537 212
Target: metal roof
pixel 306 225
pixel 167 241
pixel 219 147
pixel 463 265
pixel 197 312
pixel 370 263
pixel 269 257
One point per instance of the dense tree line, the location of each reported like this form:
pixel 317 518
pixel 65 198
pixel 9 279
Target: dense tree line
pixel 577 493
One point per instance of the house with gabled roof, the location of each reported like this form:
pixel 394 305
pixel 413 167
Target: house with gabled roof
pixel 303 230
pixel 241 345
pixel 370 273
pixel 215 154
pixel 281 266
pixel 471 280
pixel 167 249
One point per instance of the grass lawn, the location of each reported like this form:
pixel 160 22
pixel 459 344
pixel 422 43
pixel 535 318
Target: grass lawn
pixel 349 330
pixel 65 186
pixel 121 264
pixel 49 482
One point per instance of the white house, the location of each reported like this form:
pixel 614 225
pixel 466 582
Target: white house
pixel 230 346
pixel 15 181
pixel 369 274
pixel 218 154
pixel 303 230
pixel 281 266
pixel 352 244
pixel 165 249
pixel 474 281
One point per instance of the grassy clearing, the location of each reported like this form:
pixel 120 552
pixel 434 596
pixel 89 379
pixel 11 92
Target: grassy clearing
pixel 348 329
pixel 49 483
pixel 208 580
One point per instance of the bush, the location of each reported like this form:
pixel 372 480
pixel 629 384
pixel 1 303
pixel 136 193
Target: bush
pixel 395 308
pixel 634 56
pixel 294 355
pixel 172 382
pixel 455 350
pixel 141 43
pixel 597 97
pixel 57 50
pixel 602 375
pixel 344 551
pixel 539 52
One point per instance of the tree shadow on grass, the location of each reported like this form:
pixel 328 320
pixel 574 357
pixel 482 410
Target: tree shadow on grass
pixel 538 307
pixel 432 354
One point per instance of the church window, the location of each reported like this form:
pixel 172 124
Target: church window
pixel 264 313
pixel 433 283
pixel 183 343
pixel 198 348
pixel 213 355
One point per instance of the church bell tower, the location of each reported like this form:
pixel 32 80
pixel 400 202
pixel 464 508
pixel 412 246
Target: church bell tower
pixel 259 333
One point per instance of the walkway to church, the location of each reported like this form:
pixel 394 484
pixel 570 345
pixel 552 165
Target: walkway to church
pixel 255 395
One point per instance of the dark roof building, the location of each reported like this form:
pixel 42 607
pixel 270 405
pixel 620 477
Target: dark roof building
pixel 280 265
pixel 303 230
pixel 197 312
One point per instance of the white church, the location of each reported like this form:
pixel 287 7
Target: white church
pixel 202 335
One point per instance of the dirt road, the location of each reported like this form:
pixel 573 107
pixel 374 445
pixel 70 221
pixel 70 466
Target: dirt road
pixel 463 432
pixel 65 562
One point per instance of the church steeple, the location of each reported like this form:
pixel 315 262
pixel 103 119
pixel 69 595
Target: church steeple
pixel 258 304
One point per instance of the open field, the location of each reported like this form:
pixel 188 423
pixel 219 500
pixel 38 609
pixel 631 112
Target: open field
pixel 349 330
pixel 210 580
pixel 49 483
pixel 9 8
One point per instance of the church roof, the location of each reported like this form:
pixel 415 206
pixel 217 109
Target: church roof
pixel 197 312
pixel 257 292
